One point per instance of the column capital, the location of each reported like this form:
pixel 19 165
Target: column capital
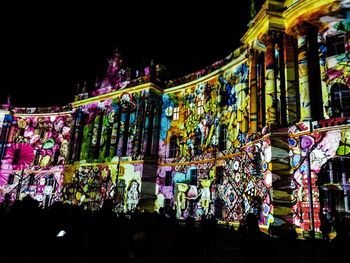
pixel 270 37
pixel 303 28
pixel 252 53
pixel 289 39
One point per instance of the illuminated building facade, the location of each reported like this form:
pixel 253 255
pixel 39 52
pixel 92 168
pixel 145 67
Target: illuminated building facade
pixel 264 130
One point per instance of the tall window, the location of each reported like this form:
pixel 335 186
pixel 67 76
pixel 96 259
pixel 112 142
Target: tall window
pixel 223 138
pixel 173 147
pixel 167 178
pixel 37 157
pixel 31 179
pixel 42 133
pixel 200 106
pixel 335 45
pixel 176 113
pixel 197 143
pixel 219 174
pixel 193 177
pixel 150 130
pixel 340 96
pixel 11 179
pixel 167 203
pixel 223 97
pixel 16 156
pixel 49 180
pixel 55 157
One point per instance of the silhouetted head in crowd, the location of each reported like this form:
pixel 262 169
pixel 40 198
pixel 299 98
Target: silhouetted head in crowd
pixel 252 223
pixel 107 205
pixel 342 230
pixel 29 202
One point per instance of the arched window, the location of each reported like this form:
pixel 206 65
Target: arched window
pixel 173 147
pixel 197 142
pixel 223 138
pixel 340 96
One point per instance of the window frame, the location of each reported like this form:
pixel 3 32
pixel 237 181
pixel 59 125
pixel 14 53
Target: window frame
pixel 223 137
pixel 173 147
pixel 176 113
pixel 200 106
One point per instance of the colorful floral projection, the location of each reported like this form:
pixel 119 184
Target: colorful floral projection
pixel 116 127
pixel 319 147
pixel 36 154
pixel 228 188
pixel 335 69
pixel 195 115
pixel 205 124
pixel 91 185
pixel 204 137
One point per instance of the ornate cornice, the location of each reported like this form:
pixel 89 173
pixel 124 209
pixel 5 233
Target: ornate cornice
pixel 146 86
pixel 306 10
pixel 270 17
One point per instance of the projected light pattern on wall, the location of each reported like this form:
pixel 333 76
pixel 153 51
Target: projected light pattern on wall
pixel 264 130
pixel 91 185
pixel 48 139
pixel 204 168
pixel 321 147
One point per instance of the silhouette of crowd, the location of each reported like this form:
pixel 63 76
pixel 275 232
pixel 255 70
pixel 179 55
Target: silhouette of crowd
pixel 67 233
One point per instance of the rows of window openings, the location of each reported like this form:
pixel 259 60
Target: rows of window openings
pixel 17 154
pixel 340 104
pixel 340 94
pixel 335 45
pixel 192 179
pixel 340 97
pixel 94 153
pixel 197 142
pixel 49 180
pixel 200 110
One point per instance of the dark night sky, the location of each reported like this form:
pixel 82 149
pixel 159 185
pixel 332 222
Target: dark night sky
pixel 49 46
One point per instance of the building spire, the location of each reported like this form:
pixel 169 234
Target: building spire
pixel 116 72
pixel 252 9
pixel 84 87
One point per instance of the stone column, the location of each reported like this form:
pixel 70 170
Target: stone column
pixel 304 88
pixel 280 62
pixel 260 76
pixel 291 79
pixel 344 182
pixel 253 107
pixel 309 73
pixel 76 135
pixel 271 101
